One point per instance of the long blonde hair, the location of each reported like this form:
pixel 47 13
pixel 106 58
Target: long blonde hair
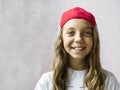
pixel 94 78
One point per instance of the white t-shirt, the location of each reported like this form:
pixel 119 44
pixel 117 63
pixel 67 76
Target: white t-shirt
pixel 76 81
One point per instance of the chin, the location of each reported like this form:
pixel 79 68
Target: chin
pixel 77 57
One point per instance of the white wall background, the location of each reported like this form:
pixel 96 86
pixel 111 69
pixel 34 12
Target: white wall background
pixel 28 29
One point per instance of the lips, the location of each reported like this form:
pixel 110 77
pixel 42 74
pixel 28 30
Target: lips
pixel 78 48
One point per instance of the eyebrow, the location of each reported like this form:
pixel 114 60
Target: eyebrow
pixel 69 29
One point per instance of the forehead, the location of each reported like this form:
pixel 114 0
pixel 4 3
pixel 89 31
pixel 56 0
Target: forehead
pixel 77 24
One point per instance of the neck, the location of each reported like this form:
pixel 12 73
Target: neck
pixel 78 64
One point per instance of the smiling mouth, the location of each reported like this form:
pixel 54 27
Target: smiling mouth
pixel 78 48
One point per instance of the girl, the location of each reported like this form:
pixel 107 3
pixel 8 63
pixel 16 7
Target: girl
pixel 76 64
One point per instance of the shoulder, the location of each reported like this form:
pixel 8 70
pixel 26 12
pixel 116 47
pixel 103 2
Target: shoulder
pixel 111 81
pixel 46 77
pixel 45 81
pixel 109 75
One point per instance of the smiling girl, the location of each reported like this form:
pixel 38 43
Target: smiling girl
pixel 76 64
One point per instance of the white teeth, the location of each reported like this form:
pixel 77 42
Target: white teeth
pixel 78 48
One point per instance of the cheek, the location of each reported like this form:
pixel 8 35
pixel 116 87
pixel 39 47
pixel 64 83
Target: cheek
pixel 66 42
pixel 90 43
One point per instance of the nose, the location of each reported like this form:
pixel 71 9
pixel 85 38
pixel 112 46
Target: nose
pixel 78 38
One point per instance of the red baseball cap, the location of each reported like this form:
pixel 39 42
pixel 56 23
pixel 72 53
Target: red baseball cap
pixel 77 12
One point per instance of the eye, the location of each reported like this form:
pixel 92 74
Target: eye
pixel 87 33
pixel 70 33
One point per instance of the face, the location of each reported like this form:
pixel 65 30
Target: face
pixel 77 38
